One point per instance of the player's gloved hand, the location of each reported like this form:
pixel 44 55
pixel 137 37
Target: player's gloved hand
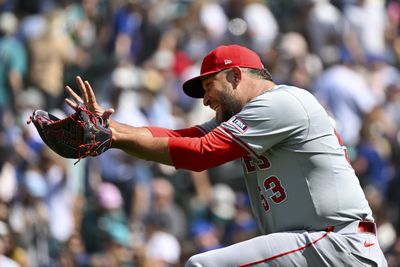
pixel 84 133
pixel 77 136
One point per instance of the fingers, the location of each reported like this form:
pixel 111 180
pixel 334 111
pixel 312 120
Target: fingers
pixel 107 113
pixel 75 98
pixel 90 94
pixel 71 103
pixel 88 98
pixel 83 89
pixel 86 91
pixel 73 95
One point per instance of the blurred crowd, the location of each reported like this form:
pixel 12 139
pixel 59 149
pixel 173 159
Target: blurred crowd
pixel 116 210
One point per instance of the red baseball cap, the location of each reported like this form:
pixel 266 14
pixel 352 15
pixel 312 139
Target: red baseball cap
pixel 222 57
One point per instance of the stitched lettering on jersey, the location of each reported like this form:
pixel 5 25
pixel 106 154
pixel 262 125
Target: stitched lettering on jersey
pixel 250 163
pixel 272 190
pixel 238 124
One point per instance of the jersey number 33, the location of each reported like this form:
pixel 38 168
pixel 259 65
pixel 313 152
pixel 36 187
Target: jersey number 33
pixel 271 189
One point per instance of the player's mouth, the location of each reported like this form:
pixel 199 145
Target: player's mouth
pixel 214 107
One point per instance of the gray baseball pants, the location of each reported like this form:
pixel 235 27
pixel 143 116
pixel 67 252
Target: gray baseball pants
pixel 354 244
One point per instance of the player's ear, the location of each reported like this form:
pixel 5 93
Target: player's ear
pixel 237 75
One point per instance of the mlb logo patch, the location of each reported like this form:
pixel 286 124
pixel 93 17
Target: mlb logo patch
pixel 238 124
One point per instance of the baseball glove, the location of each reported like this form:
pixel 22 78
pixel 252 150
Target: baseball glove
pixel 77 136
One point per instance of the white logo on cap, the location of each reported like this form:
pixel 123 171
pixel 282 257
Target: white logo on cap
pixel 227 61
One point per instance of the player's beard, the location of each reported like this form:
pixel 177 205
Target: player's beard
pixel 229 106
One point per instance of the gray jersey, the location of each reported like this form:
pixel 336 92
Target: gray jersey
pixel 296 173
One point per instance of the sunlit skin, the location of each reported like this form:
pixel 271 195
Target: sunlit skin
pixel 228 91
pixel 220 95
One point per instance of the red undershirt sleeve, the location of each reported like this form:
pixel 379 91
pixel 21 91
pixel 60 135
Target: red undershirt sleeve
pixel 208 151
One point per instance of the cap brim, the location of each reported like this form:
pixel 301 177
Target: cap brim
pixel 194 88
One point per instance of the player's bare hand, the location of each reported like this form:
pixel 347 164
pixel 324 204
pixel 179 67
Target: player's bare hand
pixel 88 98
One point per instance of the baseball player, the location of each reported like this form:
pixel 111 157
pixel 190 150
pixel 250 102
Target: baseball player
pixel 304 194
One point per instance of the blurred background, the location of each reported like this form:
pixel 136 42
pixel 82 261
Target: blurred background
pixel 115 210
